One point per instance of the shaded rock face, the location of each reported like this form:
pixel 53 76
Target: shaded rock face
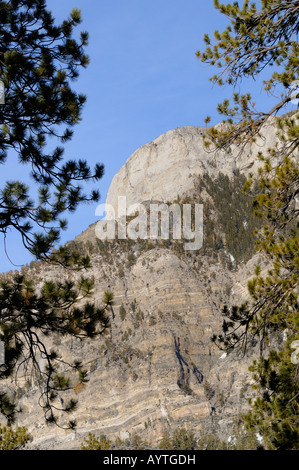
pixel 156 369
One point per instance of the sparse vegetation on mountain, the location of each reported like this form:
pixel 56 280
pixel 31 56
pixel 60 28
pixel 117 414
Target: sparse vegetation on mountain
pixel 228 218
pixel 135 442
pixel 179 440
pixel 13 439
pixel 94 443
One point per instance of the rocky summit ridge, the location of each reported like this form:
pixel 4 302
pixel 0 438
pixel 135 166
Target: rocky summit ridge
pixel 156 369
pixel 167 167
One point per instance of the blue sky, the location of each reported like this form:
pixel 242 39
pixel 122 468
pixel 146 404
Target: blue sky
pixel 143 80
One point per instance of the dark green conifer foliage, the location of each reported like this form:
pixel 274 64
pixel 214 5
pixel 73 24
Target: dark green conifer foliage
pixel 39 60
pixel 229 222
pixel 27 319
pixel 179 440
pixel 264 39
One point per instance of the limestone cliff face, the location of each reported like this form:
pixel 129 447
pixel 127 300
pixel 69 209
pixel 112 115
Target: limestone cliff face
pixel 156 369
pixel 166 168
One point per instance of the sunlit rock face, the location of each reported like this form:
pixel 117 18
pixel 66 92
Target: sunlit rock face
pixel 167 167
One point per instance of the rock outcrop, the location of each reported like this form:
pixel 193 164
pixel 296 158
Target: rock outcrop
pixel 156 368
pixel 166 168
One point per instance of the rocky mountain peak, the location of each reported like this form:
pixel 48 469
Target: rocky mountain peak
pixel 156 369
pixel 167 167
